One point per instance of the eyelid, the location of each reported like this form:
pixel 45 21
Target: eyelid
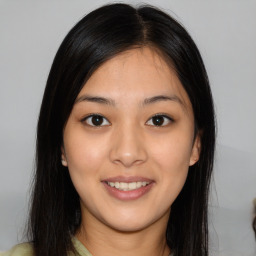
pixel 84 119
pixel 170 119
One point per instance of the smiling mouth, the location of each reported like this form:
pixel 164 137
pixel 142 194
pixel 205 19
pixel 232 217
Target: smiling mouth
pixel 127 186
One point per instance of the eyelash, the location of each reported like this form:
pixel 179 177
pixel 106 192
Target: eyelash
pixel 164 116
pixel 85 119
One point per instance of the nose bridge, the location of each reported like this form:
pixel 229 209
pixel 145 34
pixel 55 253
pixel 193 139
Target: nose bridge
pixel 128 147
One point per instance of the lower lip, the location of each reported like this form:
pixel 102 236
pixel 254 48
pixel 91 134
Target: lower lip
pixel 128 195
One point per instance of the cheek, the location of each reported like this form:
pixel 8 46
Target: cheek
pixel 85 158
pixel 171 157
pixel 84 155
pixel 172 153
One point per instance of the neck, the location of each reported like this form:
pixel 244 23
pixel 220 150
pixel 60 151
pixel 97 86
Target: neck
pixel 101 239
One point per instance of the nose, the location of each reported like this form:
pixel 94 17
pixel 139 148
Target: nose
pixel 128 147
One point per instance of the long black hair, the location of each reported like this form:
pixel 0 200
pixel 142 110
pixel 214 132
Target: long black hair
pixel 102 34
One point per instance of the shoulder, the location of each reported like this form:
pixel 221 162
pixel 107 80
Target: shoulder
pixel 80 248
pixel 24 249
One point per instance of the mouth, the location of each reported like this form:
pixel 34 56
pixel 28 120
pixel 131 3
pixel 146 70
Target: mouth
pixel 127 186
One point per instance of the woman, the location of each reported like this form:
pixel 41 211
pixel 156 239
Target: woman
pixel 125 141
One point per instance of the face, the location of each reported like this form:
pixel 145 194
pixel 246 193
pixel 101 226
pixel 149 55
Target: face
pixel 129 141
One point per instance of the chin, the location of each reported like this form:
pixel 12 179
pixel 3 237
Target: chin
pixel 129 227
pixel 132 223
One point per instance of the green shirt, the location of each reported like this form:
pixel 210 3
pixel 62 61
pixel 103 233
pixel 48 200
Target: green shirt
pixel 26 249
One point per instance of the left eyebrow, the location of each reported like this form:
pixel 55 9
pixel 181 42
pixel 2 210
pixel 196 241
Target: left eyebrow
pixel 159 98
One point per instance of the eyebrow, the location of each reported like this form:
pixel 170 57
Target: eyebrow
pixel 158 98
pixel 111 102
pixel 95 99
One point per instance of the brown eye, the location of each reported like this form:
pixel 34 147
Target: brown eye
pixel 159 120
pixel 96 120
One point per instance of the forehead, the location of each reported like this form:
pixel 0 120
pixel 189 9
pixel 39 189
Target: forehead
pixel 140 72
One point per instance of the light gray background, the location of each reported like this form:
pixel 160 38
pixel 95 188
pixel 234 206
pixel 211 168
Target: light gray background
pixel 225 32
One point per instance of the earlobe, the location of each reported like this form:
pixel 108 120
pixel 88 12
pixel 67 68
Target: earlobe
pixel 64 162
pixel 195 153
pixel 63 157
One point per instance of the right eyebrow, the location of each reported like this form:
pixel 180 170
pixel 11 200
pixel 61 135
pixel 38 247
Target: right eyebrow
pixel 95 99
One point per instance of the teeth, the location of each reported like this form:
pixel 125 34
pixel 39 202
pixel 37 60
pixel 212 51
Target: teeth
pixel 124 186
pixel 116 184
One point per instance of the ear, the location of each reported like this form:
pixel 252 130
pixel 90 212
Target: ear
pixel 63 157
pixel 195 153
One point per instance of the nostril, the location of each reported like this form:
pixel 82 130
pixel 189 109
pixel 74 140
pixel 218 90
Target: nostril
pixel 127 151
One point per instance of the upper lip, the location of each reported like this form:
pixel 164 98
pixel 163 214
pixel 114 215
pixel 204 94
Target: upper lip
pixel 127 179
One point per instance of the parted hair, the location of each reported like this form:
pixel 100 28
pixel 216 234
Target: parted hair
pixel 102 34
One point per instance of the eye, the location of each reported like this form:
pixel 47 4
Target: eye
pixel 159 120
pixel 96 120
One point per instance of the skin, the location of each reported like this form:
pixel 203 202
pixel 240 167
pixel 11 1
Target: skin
pixel 128 144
